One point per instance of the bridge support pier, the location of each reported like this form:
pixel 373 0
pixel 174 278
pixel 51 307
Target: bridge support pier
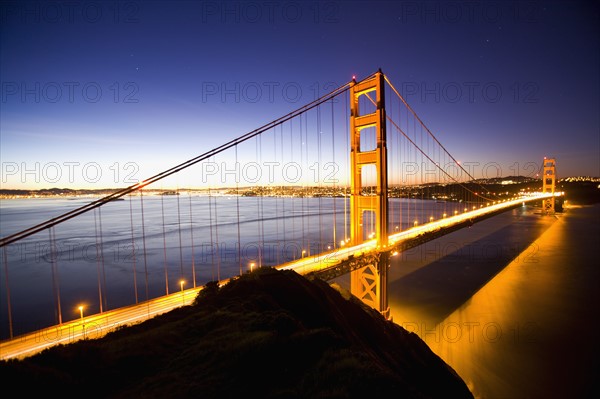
pixel 370 282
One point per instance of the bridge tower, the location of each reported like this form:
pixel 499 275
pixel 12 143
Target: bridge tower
pixel 549 184
pixel 369 283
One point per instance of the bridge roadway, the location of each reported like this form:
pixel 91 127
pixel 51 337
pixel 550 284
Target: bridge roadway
pixel 326 265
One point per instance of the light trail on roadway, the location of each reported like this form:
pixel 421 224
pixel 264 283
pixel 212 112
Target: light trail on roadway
pixel 98 325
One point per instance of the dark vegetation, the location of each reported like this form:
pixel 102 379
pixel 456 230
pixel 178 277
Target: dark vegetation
pixel 267 334
pixel 581 193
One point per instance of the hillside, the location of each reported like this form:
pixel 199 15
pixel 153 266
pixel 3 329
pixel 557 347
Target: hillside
pixel 267 334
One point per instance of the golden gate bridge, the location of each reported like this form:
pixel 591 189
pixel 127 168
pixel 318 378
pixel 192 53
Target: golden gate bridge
pixel 340 185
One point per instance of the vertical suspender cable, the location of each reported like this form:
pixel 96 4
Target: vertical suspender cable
pixel 284 179
pixel 8 302
pixel 407 182
pixel 418 167
pixel 276 217
pixel 162 208
pixel 192 241
pixel 237 205
pixel 347 134
pixel 306 213
pixel 212 249
pixel 217 240
pixel 257 208
pixel 391 162
pixel 98 265
pixel 180 241
pixel 133 258
pixel 318 172
pixel 302 195
pixel 144 241
pixel 399 171
pixel 334 165
pixel 55 280
pixel 102 258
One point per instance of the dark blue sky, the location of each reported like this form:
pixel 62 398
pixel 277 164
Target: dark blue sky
pixel 156 83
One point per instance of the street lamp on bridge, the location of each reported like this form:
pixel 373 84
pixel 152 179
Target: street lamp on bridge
pixel 181 282
pixel 81 316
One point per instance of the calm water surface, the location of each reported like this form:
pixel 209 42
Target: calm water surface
pixel 509 304
pixel 142 247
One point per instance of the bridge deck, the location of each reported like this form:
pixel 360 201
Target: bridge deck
pixel 332 264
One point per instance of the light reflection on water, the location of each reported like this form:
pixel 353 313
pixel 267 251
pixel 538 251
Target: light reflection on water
pixel 530 331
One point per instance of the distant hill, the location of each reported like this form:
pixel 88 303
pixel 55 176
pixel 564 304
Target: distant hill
pixel 581 192
pixel 266 334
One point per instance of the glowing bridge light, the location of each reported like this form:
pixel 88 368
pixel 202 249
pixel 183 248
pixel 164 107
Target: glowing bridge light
pixel 82 323
pixel 182 282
